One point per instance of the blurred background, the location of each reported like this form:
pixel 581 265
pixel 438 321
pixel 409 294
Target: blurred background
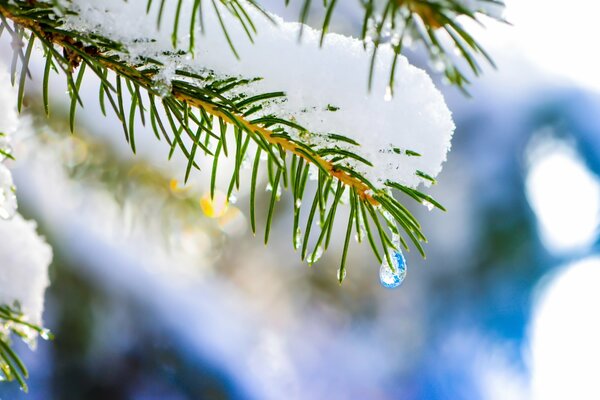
pixel 157 294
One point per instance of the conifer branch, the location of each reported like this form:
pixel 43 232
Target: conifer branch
pixel 12 321
pixel 435 24
pixel 196 107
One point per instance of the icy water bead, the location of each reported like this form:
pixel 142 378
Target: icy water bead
pixel 387 276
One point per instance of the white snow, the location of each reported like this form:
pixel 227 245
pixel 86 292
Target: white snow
pixel 8 199
pixel 8 126
pixel 416 118
pixel 24 260
pixel 492 8
pixel 24 255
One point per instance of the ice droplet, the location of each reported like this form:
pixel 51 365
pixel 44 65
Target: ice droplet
pixel 316 254
pixel 388 94
pixel 269 188
pixel 359 236
pixel 297 238
pixel 46 334
pixel 246 162
pixel 162 88
pixel 390 278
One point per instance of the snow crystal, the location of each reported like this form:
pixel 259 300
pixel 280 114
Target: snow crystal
pixel 24 261
pixel 326 88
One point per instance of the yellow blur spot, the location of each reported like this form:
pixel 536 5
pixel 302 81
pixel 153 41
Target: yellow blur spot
pixel 215 207
pixel 175 188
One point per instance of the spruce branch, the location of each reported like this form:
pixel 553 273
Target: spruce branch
pixel 435 24
pixel 192 111
pixel 13 321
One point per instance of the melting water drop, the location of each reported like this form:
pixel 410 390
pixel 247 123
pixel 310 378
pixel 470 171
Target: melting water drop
pixel 388 94
pixel 341 275
pixel 358 237
pixel 297 239
pixel 389 278
pixel 269 188
pixel 246 162
pixel 316 254
pixel 46 334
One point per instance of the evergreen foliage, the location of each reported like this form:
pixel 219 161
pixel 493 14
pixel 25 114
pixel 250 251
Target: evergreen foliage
pixel 192 115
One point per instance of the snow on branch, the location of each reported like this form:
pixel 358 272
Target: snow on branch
pixel 307 108
pixel 324 92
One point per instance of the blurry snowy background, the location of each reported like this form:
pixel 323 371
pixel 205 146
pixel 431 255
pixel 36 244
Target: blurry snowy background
pixel 156 297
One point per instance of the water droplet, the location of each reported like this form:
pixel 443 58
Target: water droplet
pixel 246 162
pixel 298 203
pixel 46 334
pixel 388 94
pixel 359 236
pixel 233 199
pixel 341 275
pixel 162 88
pixel 269 188
pixel 297 239
pixel 316 254
pixel 389 278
